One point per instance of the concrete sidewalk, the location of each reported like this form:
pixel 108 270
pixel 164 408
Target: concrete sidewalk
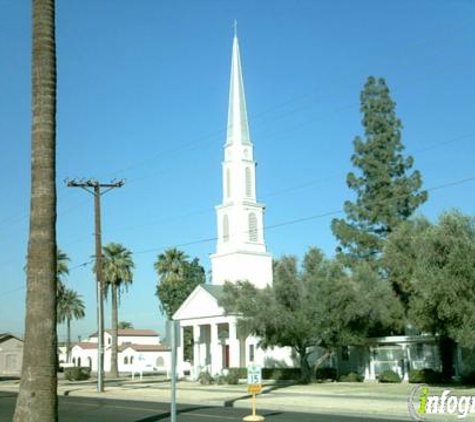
pixel 344 399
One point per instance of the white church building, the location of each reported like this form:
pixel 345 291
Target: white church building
pixel 241 254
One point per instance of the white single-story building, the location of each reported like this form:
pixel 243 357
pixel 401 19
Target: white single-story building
pixel 139 351
pixel 11 355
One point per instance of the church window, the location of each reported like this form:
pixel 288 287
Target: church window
pixel 225 228
pixel 228 183
pixel 126 360
pixel 160 362
pixel 131 360
pixel 248 182
pixel 252 227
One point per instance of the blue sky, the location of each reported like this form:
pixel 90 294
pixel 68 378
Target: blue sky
pixel 142 95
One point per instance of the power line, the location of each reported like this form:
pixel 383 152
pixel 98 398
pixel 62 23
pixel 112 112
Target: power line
pixel 304 219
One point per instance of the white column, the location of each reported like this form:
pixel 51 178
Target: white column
pixel 179 353
pixel 234 348
pixel 216 351
pixel 196 352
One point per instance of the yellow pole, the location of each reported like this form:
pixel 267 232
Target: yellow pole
pixel 253 404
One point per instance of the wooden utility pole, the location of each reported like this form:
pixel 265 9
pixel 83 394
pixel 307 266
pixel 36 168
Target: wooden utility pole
pixel 94 187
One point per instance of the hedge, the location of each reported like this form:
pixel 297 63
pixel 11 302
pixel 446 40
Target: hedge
pixel 277 374
pixel 351 377
pixel 77 373
pixel 325 373
pixel 426 375
pixel 389 376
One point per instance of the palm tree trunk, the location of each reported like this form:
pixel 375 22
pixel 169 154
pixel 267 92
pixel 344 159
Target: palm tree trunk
pixel 115 332
pixel 37 400
pixel 68 340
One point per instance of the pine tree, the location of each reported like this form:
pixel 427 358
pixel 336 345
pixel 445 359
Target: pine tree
pixel 387 192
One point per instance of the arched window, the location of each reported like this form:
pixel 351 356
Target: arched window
pixel 225 228
pixel 252 227
pixel 160 362
pixel 131 360
pixel 228 183
pixel 248 182
pixel 74 361
pixel 126 360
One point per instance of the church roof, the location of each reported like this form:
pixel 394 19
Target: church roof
pixel 129 332
pixel 214 290
pixel 238 127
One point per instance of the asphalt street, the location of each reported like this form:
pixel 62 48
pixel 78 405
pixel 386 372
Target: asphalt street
pixel 78 409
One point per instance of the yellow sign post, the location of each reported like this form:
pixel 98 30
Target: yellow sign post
pixel 254 387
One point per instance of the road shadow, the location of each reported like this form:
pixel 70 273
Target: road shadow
pixel 265 390
pixel 167 415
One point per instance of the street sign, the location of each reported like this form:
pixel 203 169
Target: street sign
pixel 254 386
pixel 254 375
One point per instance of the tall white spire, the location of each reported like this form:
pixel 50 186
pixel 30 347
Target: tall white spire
pixel 241 252
pixel 238 127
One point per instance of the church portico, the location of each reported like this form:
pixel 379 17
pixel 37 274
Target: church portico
pixel 214 346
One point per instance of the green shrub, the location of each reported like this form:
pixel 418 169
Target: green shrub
pixel 351 377
pixel 77 373
pixel 323 374
pixel 278 374
pixel 205 378
pixel 389 376
pixel 468 378
pixel 232 378
pixel 241 373
pixel 281 374
pixel 426 375
pixel 220 380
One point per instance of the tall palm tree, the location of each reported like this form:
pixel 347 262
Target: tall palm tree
pixel 118 265
pixel 37 398
pixel 170 264
pixel 70 306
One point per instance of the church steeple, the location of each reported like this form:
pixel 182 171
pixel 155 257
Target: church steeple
pixel 238 127
pixel 241 252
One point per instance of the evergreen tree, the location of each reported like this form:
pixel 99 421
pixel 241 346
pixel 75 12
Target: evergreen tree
pixel 387 192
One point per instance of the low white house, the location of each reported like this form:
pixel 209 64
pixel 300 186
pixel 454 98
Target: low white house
pixel 11 354
pixel 139 351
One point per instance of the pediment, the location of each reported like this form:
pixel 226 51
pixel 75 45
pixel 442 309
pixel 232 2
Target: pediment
pixel 199 304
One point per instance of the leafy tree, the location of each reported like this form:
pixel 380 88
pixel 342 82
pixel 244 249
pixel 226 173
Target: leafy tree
pixel 118 265
pixel 37 398
pixel 123 325
pixel 178 277
pixel 387 193
pixel 70 306
pixel 321 305
pixel 438 278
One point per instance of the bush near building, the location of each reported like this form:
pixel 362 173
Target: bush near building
pixel 77 373
pixel 426 375
pixel 325 374
pixel 351 377
pixel 389 377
